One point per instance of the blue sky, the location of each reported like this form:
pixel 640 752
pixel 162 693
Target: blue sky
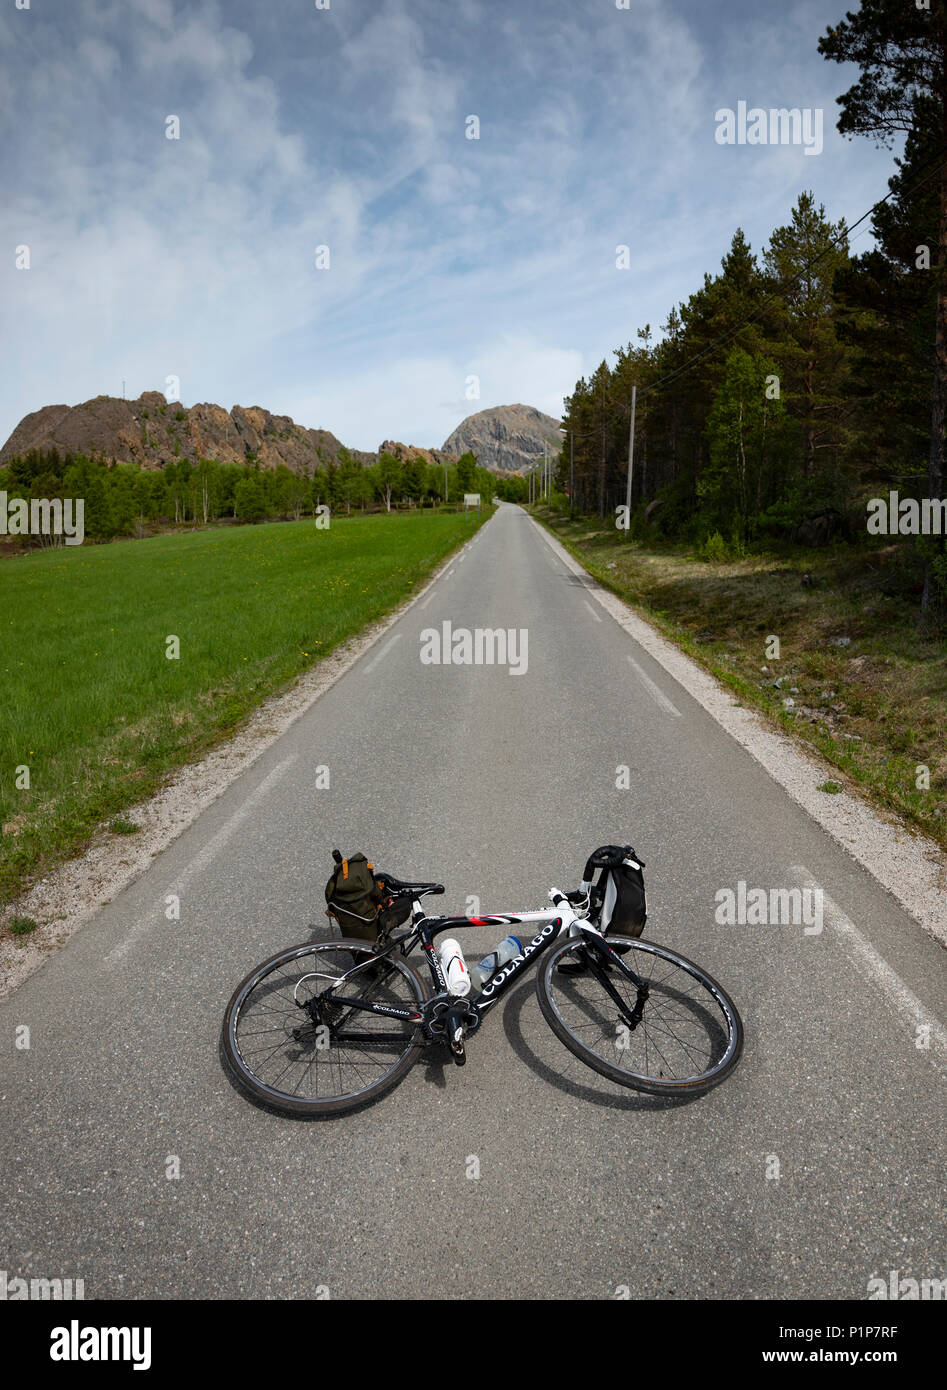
pixel 346 127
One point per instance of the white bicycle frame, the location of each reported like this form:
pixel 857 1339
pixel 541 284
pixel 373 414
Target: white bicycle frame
pixel 553 922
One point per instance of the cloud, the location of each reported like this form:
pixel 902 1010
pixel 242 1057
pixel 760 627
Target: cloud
pixel 300 128
pixel 98 59
pixel 421 399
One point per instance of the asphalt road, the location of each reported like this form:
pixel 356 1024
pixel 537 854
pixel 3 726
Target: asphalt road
pixel 499 785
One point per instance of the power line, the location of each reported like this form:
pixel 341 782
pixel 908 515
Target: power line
pixel 788 284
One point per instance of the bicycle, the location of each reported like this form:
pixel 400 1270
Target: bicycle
pixel 351 1040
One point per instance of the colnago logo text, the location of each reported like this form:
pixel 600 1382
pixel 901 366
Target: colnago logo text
pixel 496 980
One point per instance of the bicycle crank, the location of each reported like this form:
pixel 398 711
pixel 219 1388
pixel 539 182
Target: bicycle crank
pixel 448 1020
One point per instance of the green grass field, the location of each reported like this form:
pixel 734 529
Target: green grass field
pixel 866 688
pixel 96 711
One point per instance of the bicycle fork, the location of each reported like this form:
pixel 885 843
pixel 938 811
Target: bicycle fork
pixel 631 1016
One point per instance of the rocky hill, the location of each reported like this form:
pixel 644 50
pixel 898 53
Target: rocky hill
pixel 508 438
pixel 406 452
pixel 152 432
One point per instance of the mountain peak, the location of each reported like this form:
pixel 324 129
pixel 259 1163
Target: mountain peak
pixel 153 431
pixel 509 438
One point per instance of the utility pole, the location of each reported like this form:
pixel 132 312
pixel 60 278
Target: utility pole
pixel 545 472
pixel 631 454
pixel 571 434
pixel 445 482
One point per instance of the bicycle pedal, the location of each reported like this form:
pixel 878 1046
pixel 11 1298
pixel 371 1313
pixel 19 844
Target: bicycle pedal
pixel 580 966
pixel 571 967
pixel 575 967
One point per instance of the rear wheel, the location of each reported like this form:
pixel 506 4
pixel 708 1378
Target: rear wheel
pixel 328 1057
pixel 689 1036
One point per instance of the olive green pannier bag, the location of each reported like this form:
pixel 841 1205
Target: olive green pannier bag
pixel 358 900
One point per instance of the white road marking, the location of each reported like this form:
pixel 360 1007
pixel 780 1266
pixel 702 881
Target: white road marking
pixel 910 866
pixel 201 860
pixel 383 651
pixel 876 969
pixel 427 600
pixel 596 616
pixel 655 691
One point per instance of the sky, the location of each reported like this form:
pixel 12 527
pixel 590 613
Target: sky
pixel 461 273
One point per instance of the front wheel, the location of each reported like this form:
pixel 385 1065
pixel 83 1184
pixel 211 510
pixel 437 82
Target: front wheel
pixel 299 1056
pixel 687 1035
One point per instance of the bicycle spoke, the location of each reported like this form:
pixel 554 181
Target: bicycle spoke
pixel 280 1047
pixel 683 1034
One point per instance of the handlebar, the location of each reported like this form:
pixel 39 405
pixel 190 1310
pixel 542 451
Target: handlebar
pixel 608 857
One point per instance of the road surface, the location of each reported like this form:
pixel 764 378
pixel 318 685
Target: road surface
pixel 815 1167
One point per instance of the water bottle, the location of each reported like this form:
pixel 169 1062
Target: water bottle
pixel 454 967
pixel 509 947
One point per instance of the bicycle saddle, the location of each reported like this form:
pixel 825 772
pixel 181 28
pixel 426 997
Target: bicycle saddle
pixel 402 888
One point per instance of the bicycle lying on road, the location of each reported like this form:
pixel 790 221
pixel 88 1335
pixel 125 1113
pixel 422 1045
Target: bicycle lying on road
pixel 330 1026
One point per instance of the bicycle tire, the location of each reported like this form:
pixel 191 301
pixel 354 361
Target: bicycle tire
pixel 294 961
pixel 667 1007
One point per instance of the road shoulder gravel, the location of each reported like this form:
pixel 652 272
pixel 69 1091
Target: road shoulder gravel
pixel 911 867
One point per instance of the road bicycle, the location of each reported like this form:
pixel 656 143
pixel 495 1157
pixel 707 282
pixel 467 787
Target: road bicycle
pixel 330 1026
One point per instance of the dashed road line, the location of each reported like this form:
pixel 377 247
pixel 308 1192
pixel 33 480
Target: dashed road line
pixel 201 860
pixel 383 651
pixel 876 969
pixel 655 691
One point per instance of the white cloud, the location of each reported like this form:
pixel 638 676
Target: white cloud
pixel 346 127
pixel 100 60
pixel 402 88
pixel 421 399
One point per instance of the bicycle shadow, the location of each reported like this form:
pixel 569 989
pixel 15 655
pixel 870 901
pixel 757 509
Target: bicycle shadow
pixel 603 1095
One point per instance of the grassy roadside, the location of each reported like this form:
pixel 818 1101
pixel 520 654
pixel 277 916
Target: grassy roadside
pixel 855 679
pixel 95 714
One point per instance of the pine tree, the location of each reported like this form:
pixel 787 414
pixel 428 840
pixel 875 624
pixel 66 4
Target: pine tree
pixel 902 52
pixel 802 260
pixel 740 429
pixel 888 312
